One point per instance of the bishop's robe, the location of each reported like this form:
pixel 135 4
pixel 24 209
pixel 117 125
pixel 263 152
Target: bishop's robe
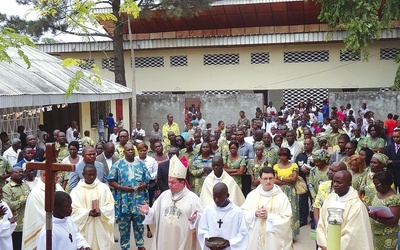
pixel 226 222
pixel 170 215
pixel 275 232
pixel 35 215
pixel 98 231
pixel 356 229
pixel 235 193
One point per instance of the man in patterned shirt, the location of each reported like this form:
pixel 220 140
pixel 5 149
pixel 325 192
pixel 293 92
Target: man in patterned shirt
pixel 129 178
pixel 15 194
pixel 5 169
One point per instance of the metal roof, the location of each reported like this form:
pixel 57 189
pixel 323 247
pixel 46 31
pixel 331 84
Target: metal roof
pixel 193 42
pixel 46 82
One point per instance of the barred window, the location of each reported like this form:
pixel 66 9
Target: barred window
pixel 107 63
pixel 99 108
pixel 221 92
pixel 152 93
pixel 348 56
pixel 178 61
pixel 87 63
pixel 149 62
pixel 306 56
pixel 260 58
pixel 221 59
pixel 389 53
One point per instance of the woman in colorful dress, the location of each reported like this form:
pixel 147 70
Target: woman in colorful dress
pixel 367 189
pixel 286 177
pixel 235 163
pixel 319 173
pixel 255 165
pixel 357 168
pixel 202 166
pixel 385 230
pixel 375 143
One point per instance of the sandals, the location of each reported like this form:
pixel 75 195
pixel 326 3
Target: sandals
pixel 149 234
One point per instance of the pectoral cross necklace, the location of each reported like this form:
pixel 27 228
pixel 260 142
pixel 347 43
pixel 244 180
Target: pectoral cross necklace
pixel 69 234
pixel 220 222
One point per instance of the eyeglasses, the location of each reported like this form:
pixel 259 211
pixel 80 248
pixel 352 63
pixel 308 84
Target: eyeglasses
pixel 378 185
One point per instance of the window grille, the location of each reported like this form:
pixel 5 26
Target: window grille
pixel 99 108
pixel 389 53
pixel 260 58
pixel 220 59
pixel 292 97
pixel 152 93
pixel 149 62
pixel 221 92
pixel 178 61
pixel 87 63
pixel 306 56
pixel 346 56
pixel 107 63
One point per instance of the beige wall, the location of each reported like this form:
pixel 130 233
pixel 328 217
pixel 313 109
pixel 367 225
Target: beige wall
pixel 374 73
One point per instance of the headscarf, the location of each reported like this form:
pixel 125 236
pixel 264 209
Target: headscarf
pixel 322 155
pixel 382 158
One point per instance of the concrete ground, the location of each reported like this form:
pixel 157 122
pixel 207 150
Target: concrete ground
pixel 301 242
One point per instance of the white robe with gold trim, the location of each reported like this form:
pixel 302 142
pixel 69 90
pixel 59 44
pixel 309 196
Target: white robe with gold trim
pixel 235 193
pixel 356 228
pixel 274 233
pixel 98 231
pixel 170 217
pixel 35 215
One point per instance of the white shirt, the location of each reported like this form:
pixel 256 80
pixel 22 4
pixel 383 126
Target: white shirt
pixel 113 138
pixel 151 165
pixel 139 132
pixel 11 156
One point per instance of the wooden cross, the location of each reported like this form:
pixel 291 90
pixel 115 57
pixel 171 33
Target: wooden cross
pixel 220 222
pixel 51 167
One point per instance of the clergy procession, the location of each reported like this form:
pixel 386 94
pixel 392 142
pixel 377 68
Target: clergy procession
pixel 253 184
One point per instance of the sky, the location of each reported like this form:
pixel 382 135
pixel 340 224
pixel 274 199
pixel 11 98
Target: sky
pixel 10 7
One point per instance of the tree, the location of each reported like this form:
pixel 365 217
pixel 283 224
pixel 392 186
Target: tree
pixel 363 20
pixel 72 16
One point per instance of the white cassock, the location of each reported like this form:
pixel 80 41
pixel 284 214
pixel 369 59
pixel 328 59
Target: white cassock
pixel 98 231
pixel 235 193
pixel 274 233
pixel 226 222
pixel 65 236
pixel 6 228
pixel 170 214
pixel 356 228
pixel 35 215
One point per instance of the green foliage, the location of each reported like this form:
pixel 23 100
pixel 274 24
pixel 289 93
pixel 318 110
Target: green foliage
pixel 11 39
pixel 363 20
pixel 130 7
pixel 80 74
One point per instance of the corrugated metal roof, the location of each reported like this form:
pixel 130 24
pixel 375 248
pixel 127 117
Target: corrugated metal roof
pixel 46 82
pixel 192 42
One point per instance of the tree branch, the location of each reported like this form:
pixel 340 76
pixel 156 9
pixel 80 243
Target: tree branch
pixel 81 34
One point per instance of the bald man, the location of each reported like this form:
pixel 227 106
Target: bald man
pixel 356 229
pixel 223 219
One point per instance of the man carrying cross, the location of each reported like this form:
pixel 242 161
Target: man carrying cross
pixel 39 204
pixel 223 219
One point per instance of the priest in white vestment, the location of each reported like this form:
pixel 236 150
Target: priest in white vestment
pixel 7 224
pixel 220 175
pixel 172 210
pixel 93 210
pixel 223 219
pixel 65 234
pixel 35 215
pixel 268 215
pixel 356 228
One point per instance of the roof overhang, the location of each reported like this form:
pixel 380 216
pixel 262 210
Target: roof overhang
pixel 230 15
pixel 46 82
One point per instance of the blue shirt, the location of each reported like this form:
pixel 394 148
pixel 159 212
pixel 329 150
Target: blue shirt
pixel 110 122
pixel 325 111
pixel 77 175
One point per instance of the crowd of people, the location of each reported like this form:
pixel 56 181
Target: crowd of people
pixel 238 182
